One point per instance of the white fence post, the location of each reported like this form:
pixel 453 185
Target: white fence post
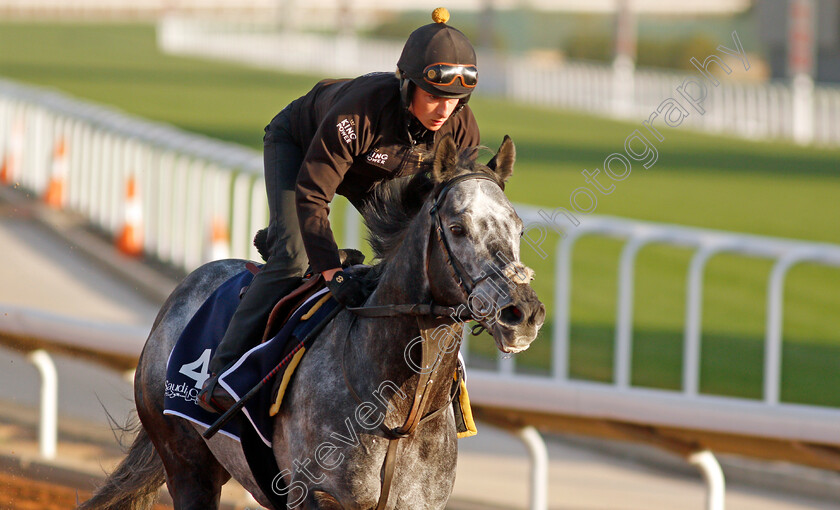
pixel 352 226
pixel 803 109
pixel 694 319
pixel 775 314
pixel 623 359
pixel 563 305
pixel 713 474
pixel 538 483
pixel 48 428
pixel 623 85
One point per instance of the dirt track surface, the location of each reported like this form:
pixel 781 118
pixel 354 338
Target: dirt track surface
pixel 21 494
pixel 27 483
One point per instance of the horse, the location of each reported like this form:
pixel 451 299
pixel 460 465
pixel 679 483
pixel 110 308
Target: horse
pixel 448 245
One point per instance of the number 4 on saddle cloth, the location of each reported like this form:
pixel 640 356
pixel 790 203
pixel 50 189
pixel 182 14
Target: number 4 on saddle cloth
pixel 187 367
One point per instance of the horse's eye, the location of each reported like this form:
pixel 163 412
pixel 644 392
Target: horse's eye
pixel 457 230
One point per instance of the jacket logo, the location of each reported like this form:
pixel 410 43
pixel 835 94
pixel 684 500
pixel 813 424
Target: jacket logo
pixel 377 157
pixel 345 129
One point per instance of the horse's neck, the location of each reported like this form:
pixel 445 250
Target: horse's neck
pixel 404 278
pixel 404 281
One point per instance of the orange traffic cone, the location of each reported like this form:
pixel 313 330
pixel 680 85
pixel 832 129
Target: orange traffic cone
pixel 130 240
pixel 6 170
pixel 54 196
pixel 219 245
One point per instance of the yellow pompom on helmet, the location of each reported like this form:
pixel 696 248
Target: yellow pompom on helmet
pixel 439 59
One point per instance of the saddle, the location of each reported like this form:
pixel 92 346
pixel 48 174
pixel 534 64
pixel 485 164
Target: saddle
pixel 310 284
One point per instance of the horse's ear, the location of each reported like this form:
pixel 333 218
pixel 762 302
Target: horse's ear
pixel 502 162
pixel 446 160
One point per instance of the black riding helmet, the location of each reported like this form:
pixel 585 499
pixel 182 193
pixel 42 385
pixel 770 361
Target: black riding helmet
pixel 439 59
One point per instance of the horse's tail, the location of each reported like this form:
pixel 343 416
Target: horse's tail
pixel 134 483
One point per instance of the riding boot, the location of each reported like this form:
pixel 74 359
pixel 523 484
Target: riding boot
pixel 244 332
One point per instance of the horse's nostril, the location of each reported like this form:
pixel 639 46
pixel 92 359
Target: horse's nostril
pixel 538 318
pixel 511 315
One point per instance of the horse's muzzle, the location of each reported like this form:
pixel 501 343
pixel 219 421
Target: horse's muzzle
pixel 518 319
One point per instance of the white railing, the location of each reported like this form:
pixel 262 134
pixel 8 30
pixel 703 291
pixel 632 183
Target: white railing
pixel 558 394
pixel 687 410
pixel 705 243
pixel 88 154
pixel 187 183
pixel 747 110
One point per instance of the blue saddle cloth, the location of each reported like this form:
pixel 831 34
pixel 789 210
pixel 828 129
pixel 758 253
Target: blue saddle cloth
pixel 187 368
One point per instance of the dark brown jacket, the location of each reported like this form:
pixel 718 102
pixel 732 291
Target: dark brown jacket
pixel 357 134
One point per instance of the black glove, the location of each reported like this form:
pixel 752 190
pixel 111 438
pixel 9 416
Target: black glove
pixel 347 289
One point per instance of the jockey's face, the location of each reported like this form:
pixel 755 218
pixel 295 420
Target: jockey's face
pixel 431 110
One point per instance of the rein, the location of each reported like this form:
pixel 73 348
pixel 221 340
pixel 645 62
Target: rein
pixel 428 316
pixel 416 310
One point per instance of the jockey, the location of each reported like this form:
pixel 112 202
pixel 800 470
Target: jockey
pixel 343 137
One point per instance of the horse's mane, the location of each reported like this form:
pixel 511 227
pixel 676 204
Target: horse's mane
pixel 393 204
pixel 390 209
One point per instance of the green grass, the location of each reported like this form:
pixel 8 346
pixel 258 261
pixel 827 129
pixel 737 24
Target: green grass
pixel 767 188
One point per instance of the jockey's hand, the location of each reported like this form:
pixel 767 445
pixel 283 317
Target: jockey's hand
pixel 347 289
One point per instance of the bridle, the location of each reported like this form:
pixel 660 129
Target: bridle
pixel 429 316
pixel 466 283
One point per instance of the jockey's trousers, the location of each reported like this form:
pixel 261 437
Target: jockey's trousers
pixel 287 261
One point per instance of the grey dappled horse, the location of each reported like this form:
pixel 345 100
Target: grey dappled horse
pixel 335 456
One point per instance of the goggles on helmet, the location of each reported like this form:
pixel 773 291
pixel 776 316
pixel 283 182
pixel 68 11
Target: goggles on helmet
pixel 444 74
